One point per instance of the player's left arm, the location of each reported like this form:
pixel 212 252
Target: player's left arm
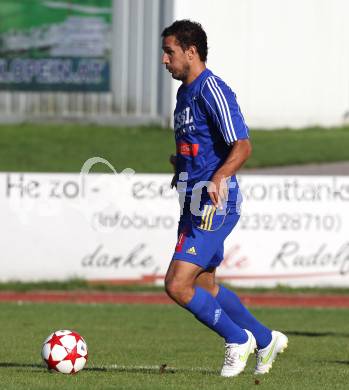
pixel 218 188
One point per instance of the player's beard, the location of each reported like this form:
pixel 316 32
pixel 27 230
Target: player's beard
pixel 183 74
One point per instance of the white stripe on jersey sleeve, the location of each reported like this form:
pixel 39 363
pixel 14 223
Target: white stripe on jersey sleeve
pixel 224 134
pixel 226 106
pixel 228 134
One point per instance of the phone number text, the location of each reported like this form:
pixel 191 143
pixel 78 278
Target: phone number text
pixel 291 222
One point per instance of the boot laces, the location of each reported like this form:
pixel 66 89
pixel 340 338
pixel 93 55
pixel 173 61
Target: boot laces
pixel 231 354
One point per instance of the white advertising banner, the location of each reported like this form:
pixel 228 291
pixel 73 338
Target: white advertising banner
pixel 293 230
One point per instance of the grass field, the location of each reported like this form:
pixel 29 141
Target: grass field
pixel 128 344
pixel 64 148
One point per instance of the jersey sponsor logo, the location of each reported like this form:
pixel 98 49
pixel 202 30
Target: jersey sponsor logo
pixel 182 118
pixel 183 122
pixel 188 149
pixel 191 251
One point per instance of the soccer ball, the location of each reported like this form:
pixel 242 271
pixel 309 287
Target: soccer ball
pixel 64 351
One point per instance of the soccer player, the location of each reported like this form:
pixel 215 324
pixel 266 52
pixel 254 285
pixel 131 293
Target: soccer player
pixel 212 143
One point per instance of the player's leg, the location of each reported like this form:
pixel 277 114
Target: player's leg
pixel 198 241
pixel 207 280
pixel 236 354
pixel 180 286
pixel 232 305
pixel 230 302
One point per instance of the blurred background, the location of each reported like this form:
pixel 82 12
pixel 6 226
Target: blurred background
pixel 288 62
pixel 82 89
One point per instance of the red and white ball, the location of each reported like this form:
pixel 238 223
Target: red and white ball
pixel 65 351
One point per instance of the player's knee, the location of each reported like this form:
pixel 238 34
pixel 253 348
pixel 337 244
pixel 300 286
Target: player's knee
pixel 172 287
pixel 178 291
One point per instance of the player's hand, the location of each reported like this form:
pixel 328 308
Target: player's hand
pixel 218 190
pixel 174 181
pixel 173 160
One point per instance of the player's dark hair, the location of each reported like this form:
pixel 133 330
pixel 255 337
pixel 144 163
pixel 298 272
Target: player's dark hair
pixel 188 34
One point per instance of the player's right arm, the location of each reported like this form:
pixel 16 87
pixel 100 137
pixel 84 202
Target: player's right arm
pixel 225 114
pixel 218 188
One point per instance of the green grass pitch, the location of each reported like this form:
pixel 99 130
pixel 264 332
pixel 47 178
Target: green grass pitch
pixel 65 148
pixel 128 343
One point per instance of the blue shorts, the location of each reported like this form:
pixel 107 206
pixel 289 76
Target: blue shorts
pixel 201 238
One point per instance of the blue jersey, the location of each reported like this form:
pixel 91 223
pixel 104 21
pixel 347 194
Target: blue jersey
pixel 207 121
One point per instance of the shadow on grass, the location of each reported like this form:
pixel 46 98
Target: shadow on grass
pixel 315 334
pixel 37 367
pixel 162 369
pixel 20 365
pixel 345 362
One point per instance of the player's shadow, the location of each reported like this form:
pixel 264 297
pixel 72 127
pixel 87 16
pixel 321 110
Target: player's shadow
pixel 345 362
pixel 341 362
pixel 315 334
pixel 21 365
pixel 39 367
pixel 162 369
pixel 152 370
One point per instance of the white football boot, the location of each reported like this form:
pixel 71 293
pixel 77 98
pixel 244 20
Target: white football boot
pixel 236 356
pixel 267 355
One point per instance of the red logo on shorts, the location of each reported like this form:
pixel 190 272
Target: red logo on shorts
pixel 188 149
pixel 181 239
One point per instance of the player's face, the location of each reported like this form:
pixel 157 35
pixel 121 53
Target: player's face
pixel 175 59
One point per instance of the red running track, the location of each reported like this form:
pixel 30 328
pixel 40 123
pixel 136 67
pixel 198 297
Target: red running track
pixel 266 300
